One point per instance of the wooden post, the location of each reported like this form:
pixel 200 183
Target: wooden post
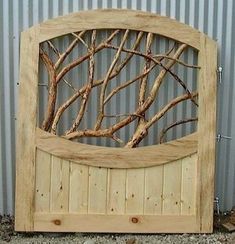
pixel 206 131
pixel 26 125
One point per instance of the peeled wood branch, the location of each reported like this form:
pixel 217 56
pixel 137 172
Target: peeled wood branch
pixel 79 92
pixel 152 95
pixel 68 50
pixel 54 49
pixel 177 61
pixel 76 62
pixel 106 80
pixel 140 134
pixel 52 91
pixel 144 79
pixel 155 57
pixel 183 121
pixel 165 67
pixel 89 86
pixel 127 83
pixel 59 55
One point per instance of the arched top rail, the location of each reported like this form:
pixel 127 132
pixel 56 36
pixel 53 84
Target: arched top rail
pixel 119 19
pixel 99 156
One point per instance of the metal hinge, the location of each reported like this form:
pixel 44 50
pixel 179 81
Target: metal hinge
pixel 217 207
pixel 219 137
pixel 219 71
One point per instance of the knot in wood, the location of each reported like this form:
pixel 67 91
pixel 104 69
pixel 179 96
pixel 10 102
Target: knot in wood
pixel 134 220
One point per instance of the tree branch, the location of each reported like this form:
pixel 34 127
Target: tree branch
pixel 52 91
pixel 76 62
pixel 106 80
pixel 137 137
pixel 183 121
pixel 89 86
pixel 68 50
pixel 79 92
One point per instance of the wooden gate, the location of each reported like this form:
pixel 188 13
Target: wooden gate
pixel 67 186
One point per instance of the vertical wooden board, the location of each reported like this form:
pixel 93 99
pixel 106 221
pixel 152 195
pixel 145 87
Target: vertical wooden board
pixel 59 185
pixel 97 196
pixel 26 123
pixel 153 190
pixel 172 188
pixel 116 191
pixel 135 191
pixel 207 86
pixel 188 185
pixel 78 188
pixel 43 181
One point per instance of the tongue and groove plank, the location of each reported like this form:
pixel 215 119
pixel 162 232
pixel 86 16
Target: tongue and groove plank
pixel 59 185
pixel 97 194
pixel 172 188
pixel 135 191
pixel 78 199
pixel 188 188
pixel 153 190
pixel 116 191
pixel 42 184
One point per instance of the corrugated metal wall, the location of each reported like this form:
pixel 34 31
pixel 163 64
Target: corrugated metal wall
pixel 214 17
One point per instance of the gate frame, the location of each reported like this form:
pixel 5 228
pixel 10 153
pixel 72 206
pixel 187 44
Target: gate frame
pixel 115 19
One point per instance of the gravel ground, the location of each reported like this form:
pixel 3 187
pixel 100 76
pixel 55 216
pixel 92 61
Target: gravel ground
pixel 7 235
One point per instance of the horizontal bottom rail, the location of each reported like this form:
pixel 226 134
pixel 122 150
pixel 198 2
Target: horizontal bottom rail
pixel 69 222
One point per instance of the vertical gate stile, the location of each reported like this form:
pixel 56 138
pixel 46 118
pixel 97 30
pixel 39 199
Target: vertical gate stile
pixel 206 132
pixel 27 117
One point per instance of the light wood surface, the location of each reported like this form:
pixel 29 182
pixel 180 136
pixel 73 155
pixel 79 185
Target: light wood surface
pixel 120 19
pixel 188 185
pixel 78 188
pixel 43 184
pixel 59 185
pixel 206 131
pixel 171 188
pixel 26 125
pixel 97 190
pixel 67 186
pixel 116 191
pixel 153 190
pixel 135 191
pixel 114 223
pixel 116 157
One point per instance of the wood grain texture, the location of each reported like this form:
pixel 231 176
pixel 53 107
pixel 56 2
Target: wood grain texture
pixel 114 223
pixel 207 86
pixel 26 125
pixel 116 191
pixel 97 196
pixel 153 190
pixel 135 191
pixel 120 19
pixel 188 185
pixel 116 157
pixel 43 184
pixel 171 188
pixel 59 185
pixel 78 200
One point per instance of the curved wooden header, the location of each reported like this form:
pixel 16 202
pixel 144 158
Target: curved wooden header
pixel 109 157
pixel 119 19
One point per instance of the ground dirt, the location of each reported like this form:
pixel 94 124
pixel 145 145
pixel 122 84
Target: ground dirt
pixel 8 235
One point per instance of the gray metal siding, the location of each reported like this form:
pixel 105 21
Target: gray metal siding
pixel 214 17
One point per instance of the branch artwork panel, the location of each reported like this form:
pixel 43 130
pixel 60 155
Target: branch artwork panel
pixel 125 45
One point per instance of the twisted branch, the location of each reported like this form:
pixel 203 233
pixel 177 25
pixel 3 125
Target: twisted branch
pixel 183 121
